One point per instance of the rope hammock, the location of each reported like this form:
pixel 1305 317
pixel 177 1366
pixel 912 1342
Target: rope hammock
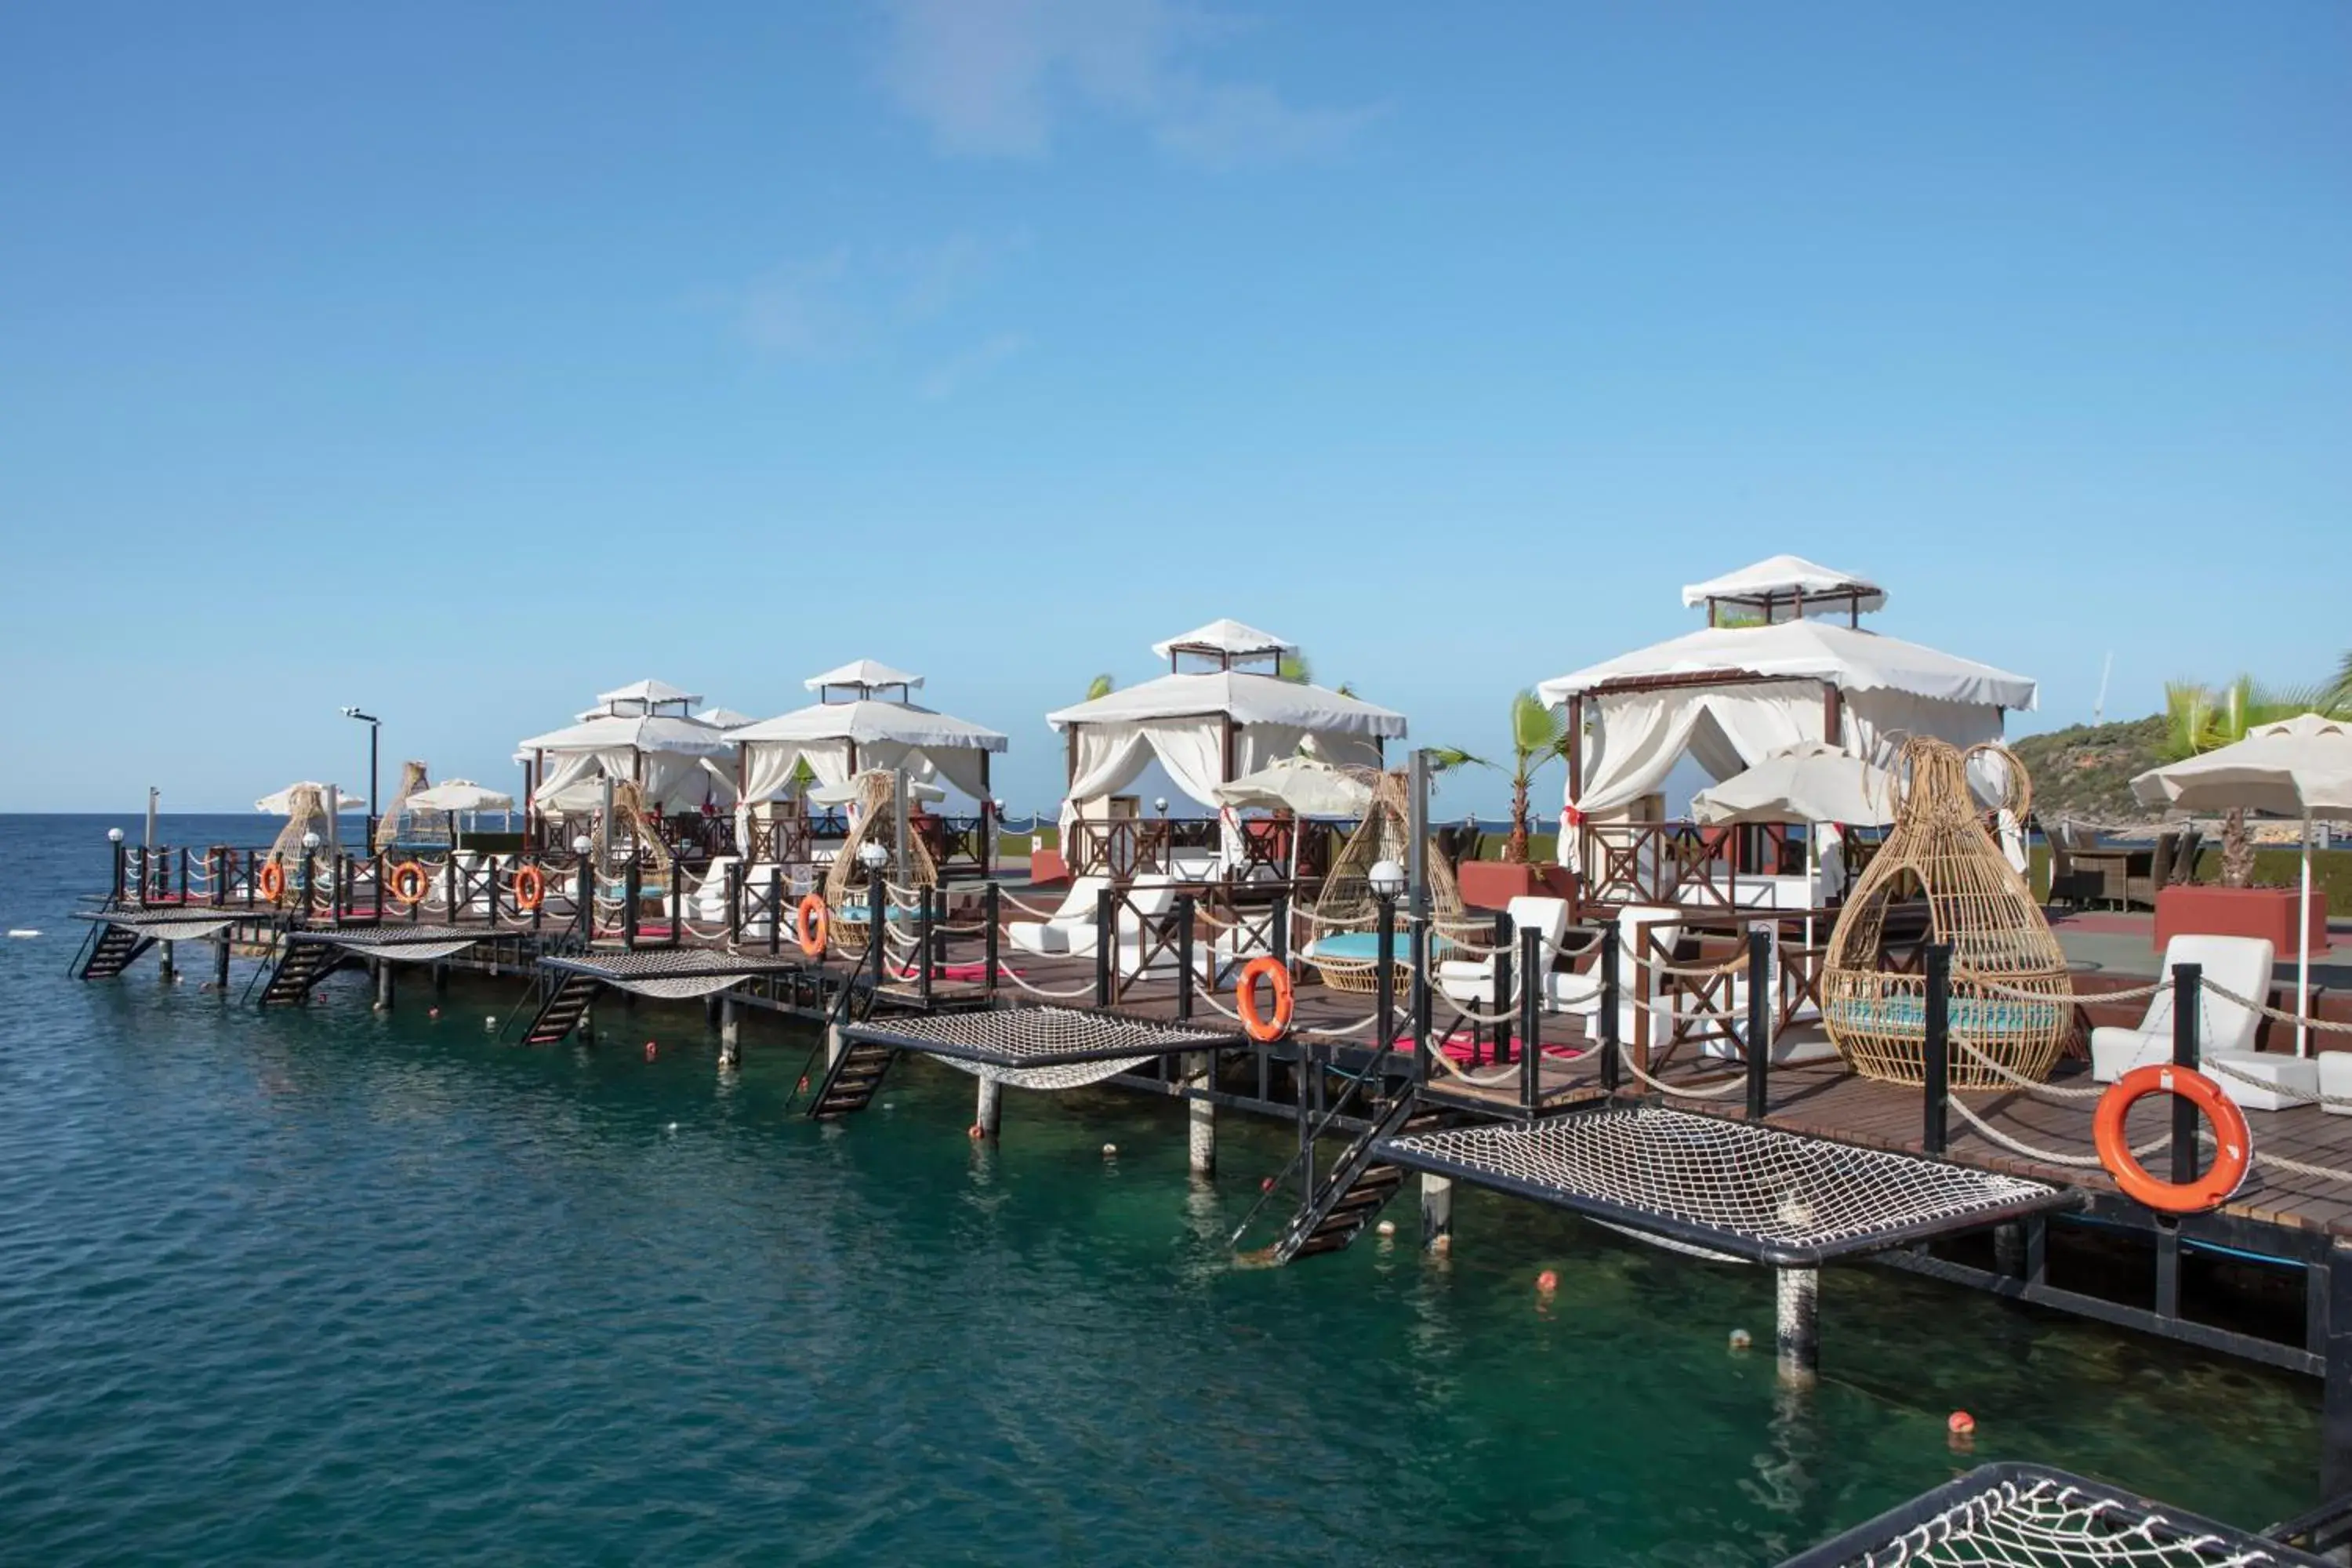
pixel 1346 905
pixel 2009 981
pixel 2027 1515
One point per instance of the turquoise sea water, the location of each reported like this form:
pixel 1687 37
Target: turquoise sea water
pixel 325 1285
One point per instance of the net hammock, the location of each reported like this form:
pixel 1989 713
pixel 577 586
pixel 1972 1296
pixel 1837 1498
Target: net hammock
pixel 388 826
pixel 1346 907
pixel 1940 855
pixel 845 881
pixel 1737 1187
pixel 1043 1047
pixel 2023 1516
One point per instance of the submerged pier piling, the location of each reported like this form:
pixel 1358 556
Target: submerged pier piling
pixel 1201 1118
pixel 1796 1324
pixel 383 967
pixel 1436 1211
pixel 730 1037
pixel 988 1108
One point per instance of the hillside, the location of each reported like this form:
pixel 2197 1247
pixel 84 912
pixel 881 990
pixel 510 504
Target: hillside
pixel 2084 771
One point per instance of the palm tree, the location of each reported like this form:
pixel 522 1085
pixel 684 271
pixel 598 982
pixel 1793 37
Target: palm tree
pixel 1539 733
pixel 2339 691
pixel 1100 687
pixel 2204 719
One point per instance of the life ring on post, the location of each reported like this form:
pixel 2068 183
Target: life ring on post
pixel 2233 1140
pixel 407 882
pixel 1259 1027
pixel 273 881
pixel 529 888
pixel 812 926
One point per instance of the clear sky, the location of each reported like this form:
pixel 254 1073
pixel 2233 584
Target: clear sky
pixel 462 361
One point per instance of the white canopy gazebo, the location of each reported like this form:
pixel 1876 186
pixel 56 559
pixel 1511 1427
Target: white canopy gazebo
pixel 852 730
pixel 1213 724
pixel 1730 696
pixel 644 734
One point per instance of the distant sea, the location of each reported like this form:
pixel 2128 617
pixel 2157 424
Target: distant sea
pixel 322 1284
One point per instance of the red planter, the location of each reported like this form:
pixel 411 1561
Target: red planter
pixel 2267 912
pixel 1491 884
pixel 1045 866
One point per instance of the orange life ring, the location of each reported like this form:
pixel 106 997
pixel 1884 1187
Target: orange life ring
pixel 407 882
pixel 2233 1140
pixel 1259 1027
pixel 273 881
pixel 814 926
pixel 529 888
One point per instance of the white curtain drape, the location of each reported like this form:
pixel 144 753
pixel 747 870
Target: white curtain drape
pixel 565 768
pixel 1107 757
pixel 673 783
pixel 1639 736
pixel 959 767
pixel 767 765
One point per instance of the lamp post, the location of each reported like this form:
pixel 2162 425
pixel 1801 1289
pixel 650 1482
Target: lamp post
pixel 376 726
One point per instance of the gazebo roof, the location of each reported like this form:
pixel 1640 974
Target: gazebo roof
pixel 1229 638
pixel 1780 584
pixel 633 731
pixel 649 693
pixel 864 674
pixel 1244 696
pixel 869 719
pixel 1843 656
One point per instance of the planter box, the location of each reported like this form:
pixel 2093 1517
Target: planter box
pixel 1045 866
pixel 1491 884
pixel 2267 912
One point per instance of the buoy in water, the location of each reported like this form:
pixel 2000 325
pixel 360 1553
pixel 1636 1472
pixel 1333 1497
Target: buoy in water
pixel 1960 1424
pixel 490 1021
pixel 977 1132
pixel 1386 1226
pixel 1267 1185
pixel 434 1014
pixel 1739 1340
pixel 1547 1282
pixel 22 934
pixel 1110 1151
pixel 803 1088
pixel 652 1050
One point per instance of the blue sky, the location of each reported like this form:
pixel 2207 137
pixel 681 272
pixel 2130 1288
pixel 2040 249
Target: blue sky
pixel 461 362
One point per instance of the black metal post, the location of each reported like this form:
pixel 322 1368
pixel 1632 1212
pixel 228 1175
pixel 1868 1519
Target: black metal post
pixel 586 884
pixel 1936 1050
pixel 877 904
pixel 1419 991
pixel 923 928
pixel 1278 931
pixel 676 903
pixel 2188 1011
pixel 735 904
pixel 1384 972
pixel 142 876
pixel 992 904
pixel 1106 939
pixel 631 884
pixel 184 873
pixel 1759 1023
pixel 1608 1019
pixel 776 911
pixel 1184 917
pixel 450 891
pixel 1531 998
pixel 1502 998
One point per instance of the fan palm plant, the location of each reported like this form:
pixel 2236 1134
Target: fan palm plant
pixel 2203 718
pixel 1100 687
pixel 1539 733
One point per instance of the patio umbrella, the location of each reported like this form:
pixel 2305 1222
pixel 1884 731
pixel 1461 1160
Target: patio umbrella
pixel 2298 767
pixel 461 794
pixel 282 803
pixel 1306 785
pixel 1808 782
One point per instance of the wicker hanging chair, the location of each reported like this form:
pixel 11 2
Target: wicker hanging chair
pixel 1940 852
pixel 388 826
pixel 1347 916
pixel 845 881
pixel 630 818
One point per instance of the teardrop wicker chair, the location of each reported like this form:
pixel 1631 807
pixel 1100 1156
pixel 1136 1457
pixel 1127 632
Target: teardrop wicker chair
pixel 388 824
pixel 846 884
pixel 1343 948
pixel 2008 974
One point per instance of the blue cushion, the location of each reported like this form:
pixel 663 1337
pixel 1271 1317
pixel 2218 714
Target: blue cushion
pixel 1364 946
pixel 855 913
pixel 1906 1013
